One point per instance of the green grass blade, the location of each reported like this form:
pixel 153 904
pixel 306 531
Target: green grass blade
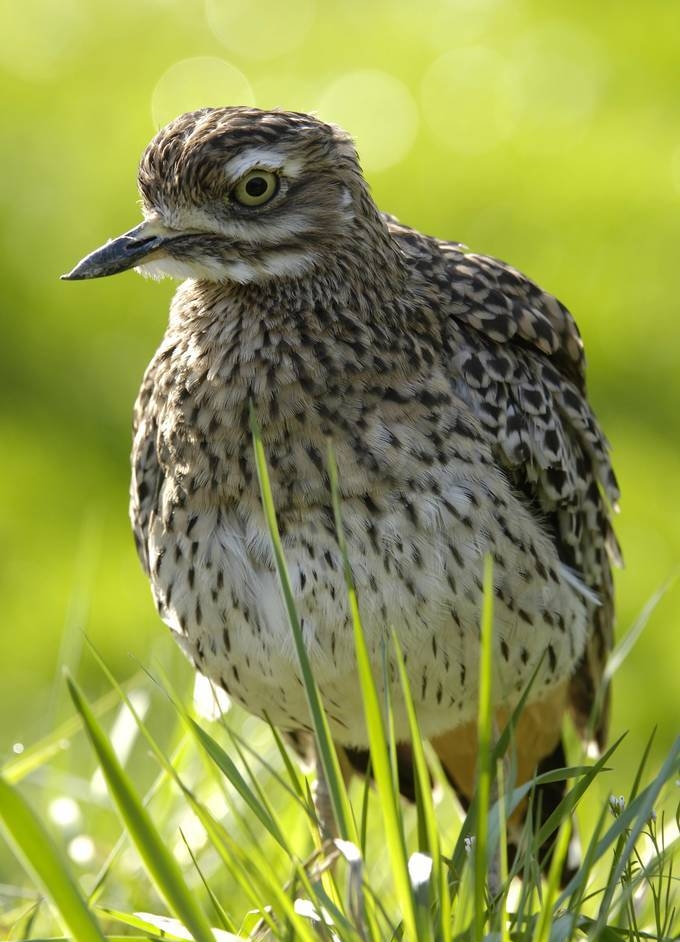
pixel 545 919
pixel 579 884
pixel 625 646
pixel 249 879
pixel 387 712
pixel 635 787
pixel 572 798
pixel 106 869
pixel 324 742
pixel 159 927
pixel 137 921
pixel 633 819
pixel 630 639
pixel 575 794
pixel 504 740
pixel 43 861
pixel 219 758
pixel 377 736
pixel 503 928
pixel 259 794
pixel 109 938
pixel 222 916
pixel 159 862
pixel 484 756
pixel 463 911
pixel 365 795
pixel 294 775
pixel 253 872
pixel 514 797
pixel 229 769
pixel 427 820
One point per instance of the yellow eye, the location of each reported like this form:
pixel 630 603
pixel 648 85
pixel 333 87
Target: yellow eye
pixel 256 187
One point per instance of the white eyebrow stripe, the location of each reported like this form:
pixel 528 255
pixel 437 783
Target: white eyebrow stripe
pixel 264 157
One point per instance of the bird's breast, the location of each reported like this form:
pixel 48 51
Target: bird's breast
pixel 416 558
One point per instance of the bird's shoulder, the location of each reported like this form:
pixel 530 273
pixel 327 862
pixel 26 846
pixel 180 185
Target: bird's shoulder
pixel 518 359
pixel 495 299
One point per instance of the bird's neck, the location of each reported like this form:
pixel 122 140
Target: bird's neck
pixel 304 351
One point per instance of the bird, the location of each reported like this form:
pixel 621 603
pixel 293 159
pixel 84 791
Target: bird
pixel 452 388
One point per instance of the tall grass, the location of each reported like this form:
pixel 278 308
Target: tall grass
pixel 215 834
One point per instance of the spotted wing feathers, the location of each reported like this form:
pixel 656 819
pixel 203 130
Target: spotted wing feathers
pixel 517 360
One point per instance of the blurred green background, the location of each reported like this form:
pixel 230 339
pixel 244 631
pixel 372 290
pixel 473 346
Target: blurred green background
pixel 546 134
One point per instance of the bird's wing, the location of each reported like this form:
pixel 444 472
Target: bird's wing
pixel 523 358
pixel 518 359
pixel 147 474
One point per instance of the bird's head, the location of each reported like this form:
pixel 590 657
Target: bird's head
pixel 240 195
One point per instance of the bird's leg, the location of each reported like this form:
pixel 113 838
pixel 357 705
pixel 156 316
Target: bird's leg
pixel 323 804
pixel 322 858
pixel 494 875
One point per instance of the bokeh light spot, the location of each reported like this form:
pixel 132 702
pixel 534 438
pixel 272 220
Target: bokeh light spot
pixel 556 77
pixel 124 733
pixel 279 89
pixel 210 702
pixel 64 811
pixel 466 20
pixel 675 169
pixel 81 849
pixel 260 29
pixel 378 111
pixel 466 101
pixel 37 37
pixel 204 81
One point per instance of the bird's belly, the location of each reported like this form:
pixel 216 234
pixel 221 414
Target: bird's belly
pixel 216 587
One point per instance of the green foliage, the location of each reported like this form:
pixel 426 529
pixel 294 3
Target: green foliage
pixel 159 863
pixel 45 863
pixel 579 187
pixel 412 888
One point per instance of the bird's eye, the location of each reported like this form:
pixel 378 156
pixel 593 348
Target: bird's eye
pixel 256 187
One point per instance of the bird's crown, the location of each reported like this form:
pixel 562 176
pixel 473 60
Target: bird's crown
pixel 204 153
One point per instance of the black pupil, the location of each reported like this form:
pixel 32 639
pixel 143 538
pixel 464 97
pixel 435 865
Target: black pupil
pixel 256 186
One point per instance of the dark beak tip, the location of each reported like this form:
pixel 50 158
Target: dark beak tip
pixel 117 255
pixel 73 275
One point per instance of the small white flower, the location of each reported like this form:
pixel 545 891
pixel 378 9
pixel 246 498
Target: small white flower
pixel 469 843
pixel 616 805
pixel 175 928
pixel 419 870
pixel 349 851
pixel 306 908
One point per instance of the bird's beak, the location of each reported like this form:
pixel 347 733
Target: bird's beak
pixel 122 253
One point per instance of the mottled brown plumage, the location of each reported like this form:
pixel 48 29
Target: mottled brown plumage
pixel 453 389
